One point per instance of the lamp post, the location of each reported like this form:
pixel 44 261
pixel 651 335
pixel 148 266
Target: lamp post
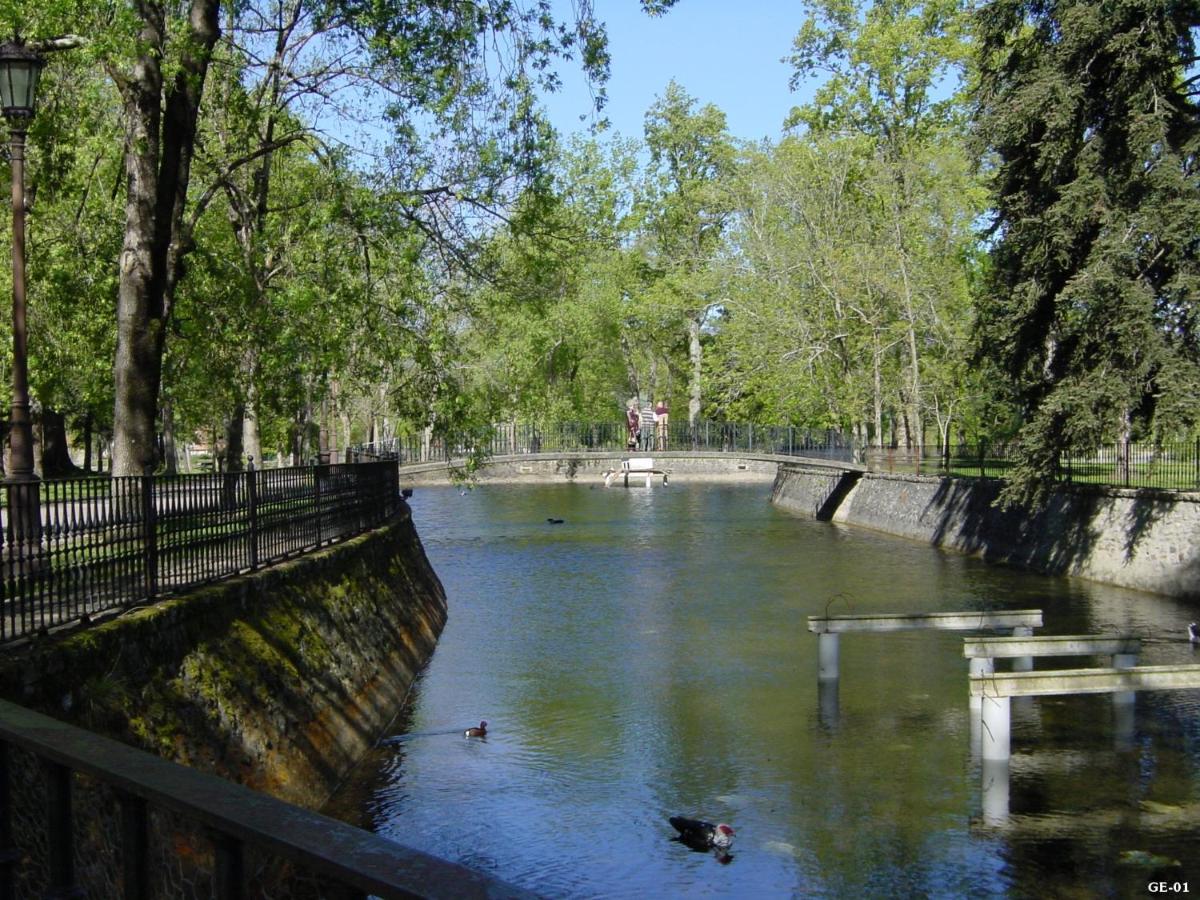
pixel 19 70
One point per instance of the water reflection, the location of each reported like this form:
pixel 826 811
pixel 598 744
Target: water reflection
pixel 649 657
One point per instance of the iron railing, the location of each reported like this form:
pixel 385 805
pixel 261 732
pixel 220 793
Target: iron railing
pixel 1173 466
pixel 76 547
pixel 1167 466
pixel 83 815
pixel 575 437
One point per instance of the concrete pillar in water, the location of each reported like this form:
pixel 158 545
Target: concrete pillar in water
pixel 827 657
pixel 979 665
pixel 996 728
pixel 828 704
pixel 995 791
pixel 1022 663
pixel 1123 704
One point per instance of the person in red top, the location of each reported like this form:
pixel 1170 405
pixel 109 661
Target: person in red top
pixel 660 424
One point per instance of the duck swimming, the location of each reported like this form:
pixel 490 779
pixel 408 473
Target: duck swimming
pixel 479 730
pixel 700 835
pixel 1193 633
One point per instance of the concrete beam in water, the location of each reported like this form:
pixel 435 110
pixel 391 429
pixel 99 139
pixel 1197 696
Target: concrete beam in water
pixel 829 628
pixel 994 691
pixel 1050 645
pixel 974 620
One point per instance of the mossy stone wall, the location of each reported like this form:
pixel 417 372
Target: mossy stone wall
pixel 279 680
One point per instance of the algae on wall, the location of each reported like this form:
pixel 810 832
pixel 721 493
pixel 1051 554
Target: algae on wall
pixel 280 679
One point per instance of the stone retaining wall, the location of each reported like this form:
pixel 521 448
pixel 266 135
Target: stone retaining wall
pixel 281 679
pixel 1137 539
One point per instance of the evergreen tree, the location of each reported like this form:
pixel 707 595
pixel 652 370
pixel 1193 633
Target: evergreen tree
pixel 1088 306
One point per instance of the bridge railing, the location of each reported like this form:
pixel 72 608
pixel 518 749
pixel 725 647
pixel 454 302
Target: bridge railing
pixel 505 439
pixel 72 548
pixel 1165 466
pixel 83 815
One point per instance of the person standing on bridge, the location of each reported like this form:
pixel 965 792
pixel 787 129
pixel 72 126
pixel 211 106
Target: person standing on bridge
pixel 660 424
pixel 647 419
pixel 631 424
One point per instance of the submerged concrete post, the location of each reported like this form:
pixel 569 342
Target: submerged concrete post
pixel 827 657
pixel 1123 704
pixel 995 791
pixel 1124 661
pixel 1022 663
pixel 996 717
pixel 979 665
pixel 828 704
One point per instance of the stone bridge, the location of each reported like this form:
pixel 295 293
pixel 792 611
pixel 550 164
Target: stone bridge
pixel 590 466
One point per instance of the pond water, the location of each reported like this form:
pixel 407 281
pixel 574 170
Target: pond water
pixel 649 657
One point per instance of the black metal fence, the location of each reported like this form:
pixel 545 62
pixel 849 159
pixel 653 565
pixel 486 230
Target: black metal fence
pixel 1168 466
pixel 76 547
pixel 1172 466
pixel 577 437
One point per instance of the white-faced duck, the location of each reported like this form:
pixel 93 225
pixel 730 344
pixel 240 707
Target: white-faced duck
pixel 700 835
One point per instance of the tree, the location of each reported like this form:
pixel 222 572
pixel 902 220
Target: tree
pixel 692 158
pixel 459 77
pixel 894 75
pixel 1090 114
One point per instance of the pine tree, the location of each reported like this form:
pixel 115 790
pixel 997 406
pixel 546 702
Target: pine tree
pixel 1089 116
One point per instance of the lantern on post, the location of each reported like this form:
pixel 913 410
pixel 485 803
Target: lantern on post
pixel 19 71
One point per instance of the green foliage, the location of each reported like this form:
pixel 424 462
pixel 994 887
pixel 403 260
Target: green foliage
pixel 1088 306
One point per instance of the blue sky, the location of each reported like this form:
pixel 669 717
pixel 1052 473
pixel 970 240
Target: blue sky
pixel 725 52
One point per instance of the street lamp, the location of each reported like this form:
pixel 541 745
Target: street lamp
pixel 19 70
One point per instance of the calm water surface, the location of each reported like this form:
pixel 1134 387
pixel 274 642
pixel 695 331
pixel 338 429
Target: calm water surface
pixel 650 657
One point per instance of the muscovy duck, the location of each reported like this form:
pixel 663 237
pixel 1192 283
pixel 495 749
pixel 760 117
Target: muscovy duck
pixel 700 835
pixel 479 730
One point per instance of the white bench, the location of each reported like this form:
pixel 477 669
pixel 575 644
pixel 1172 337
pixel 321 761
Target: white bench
pixel 637 466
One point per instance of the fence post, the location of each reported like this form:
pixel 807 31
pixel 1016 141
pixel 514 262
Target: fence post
pixel 317 499
pixel 149 534
pixel 10 855
pixel 252 510
pixel 60 831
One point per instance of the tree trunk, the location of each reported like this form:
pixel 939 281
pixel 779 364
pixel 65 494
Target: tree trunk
pixel 87 443
pixel 1124 471
pixel 170 452
pixel 877 391
pixel 234 436
pixel 160 134
pixel 56 456
pixel 695 357
pixel 251 435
